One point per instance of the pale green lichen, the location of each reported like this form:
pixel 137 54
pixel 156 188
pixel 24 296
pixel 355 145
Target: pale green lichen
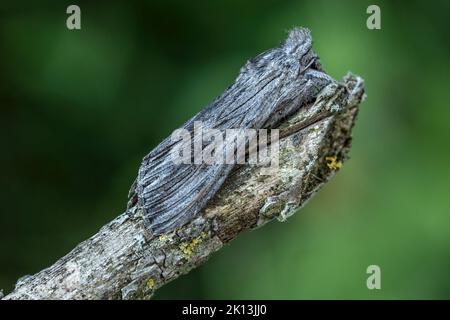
pixel 289 209
pixel 272 207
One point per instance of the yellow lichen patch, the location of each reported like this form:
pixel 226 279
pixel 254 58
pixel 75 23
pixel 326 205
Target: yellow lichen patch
pixel 163 237
pixel 188 247
pixel 332 163
pixel 150 283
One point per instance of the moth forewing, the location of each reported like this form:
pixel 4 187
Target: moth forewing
pixel 269 88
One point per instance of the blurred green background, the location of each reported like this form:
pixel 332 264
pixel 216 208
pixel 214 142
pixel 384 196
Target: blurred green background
pixel 79 109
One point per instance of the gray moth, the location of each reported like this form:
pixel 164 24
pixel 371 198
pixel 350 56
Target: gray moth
pixel 269 88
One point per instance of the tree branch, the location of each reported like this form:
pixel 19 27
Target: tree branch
pixel 124 261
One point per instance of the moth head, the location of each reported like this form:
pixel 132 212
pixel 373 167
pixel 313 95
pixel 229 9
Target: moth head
pixel 293 56
pixel 298 47
pixel 298 43
pixel 294 59
pixel 302 62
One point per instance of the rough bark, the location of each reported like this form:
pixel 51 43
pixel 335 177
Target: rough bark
pixel 124 261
